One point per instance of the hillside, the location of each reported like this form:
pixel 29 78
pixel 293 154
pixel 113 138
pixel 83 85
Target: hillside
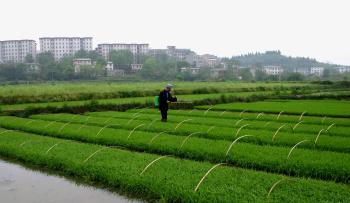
pixel 276 58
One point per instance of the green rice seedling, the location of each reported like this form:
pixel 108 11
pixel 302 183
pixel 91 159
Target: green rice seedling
pixel 107 120
pixel 274 135
pixel 274 185
pixel 52 122
pixel 329 127
pixel 154 137
pixel 267 123
pixel 133 119
pixel 318 135
pixel 301 115
pixel 180 123
pixel 93 154
pixel 152 162
pixel 133 130
pixel 260 114
pixel 323 119
pixel 291 150
pixel 191 111
pixel 206 174
pixel 211 128
pixel 205 112
pixel 239 129
pixel 63 126
pixel 29 122
pixel 104 127
pixel 5 131
pixel 240 120
pixel 151 123
pixel 240 114
pixel 296 125
pixel 279 115
pixel 53 146
pixel 23 143
pixel 222 113
pixel 186 138
pixel 231 145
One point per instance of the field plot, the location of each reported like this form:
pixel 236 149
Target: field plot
pixel 197 156
pixel 308 107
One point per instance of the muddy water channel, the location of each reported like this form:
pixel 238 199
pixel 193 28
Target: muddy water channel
pixel 21 185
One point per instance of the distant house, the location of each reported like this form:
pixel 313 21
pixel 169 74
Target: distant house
pixel 218 72
pixel 109 66
pixel 272 70
pixel 136 67
pixel 78 62
pixel 318 71
pixel 193 71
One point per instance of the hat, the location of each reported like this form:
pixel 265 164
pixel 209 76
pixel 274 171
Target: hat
pixel 169 86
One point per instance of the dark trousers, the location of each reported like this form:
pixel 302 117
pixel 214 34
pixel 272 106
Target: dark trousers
pixel 164 113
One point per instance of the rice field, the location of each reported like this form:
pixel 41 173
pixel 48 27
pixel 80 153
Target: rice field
pixel 279 150
pixel 207 154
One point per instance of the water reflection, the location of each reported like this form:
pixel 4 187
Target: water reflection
pixel 21 185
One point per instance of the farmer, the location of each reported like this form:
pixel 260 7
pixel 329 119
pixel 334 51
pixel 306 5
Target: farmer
pixel 164 99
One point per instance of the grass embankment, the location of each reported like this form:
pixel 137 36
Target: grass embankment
pixel 302 162
pixel 310 107
pixel 325 141
pixel 170 179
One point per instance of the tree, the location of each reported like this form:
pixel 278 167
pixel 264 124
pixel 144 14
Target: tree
pixel 122 59
pixel 245 74
pixel 294 77
pixel 47 65
pixel 29 58
pixel 150 69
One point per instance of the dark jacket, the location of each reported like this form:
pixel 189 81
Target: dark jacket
pixel 164 97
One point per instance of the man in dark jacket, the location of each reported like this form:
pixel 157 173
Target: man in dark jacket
pixel 164 99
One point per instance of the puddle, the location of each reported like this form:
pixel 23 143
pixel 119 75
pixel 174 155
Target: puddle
pixel 21 185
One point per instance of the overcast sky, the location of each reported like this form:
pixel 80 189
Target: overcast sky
pixel 313 28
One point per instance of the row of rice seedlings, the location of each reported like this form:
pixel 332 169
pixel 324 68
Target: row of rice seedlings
pixel 228 150
pixel 269 192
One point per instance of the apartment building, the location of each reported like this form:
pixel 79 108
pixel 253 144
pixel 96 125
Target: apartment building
pixel 16 50
pixel 272 70
pixel 173 52
pixel 318 71
pixel 136 49
pixel 64 46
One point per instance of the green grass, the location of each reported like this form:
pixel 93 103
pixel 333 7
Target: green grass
pixel 170 179
pixel 308 163
pixel 311 107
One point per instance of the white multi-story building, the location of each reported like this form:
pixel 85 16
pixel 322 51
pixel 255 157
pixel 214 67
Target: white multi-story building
pixel 273 70
pixel 172 52
pixel 343 69
pixel 17 50
pixel 65 46
pixel 136 49
pixel 316 71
